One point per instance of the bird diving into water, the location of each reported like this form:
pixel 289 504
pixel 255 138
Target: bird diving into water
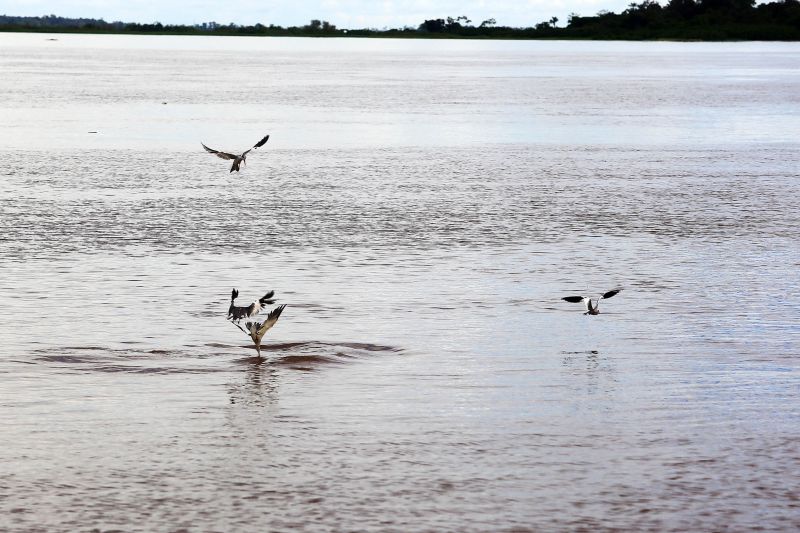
pixel 237 159
pixel 591 308
pixel 255 330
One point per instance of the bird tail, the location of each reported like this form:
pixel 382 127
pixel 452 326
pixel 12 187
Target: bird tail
pixel 234 295
pixel 235 165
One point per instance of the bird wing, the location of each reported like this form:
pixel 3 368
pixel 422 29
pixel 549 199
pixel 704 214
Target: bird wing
pixel 222 155
pixel 261 143
pixel 609 294
pixel 272 317
pixel 573 299
pixel 267 298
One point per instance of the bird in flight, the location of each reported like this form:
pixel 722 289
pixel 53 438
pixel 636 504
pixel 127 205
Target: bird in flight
pixel 237 159
pixel 592 308
pixel 236 313
pixel 255 330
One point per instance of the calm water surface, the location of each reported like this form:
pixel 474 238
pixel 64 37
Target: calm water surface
pixel 421 207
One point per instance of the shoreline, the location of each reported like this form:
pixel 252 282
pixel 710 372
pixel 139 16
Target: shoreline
pixel 356 34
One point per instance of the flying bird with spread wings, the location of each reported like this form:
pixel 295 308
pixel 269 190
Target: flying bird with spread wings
pixel 238 312
pixel 237 159
pixel 591 308
pixel 255 330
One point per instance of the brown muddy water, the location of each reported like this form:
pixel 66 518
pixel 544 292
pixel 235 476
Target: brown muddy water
pixel 421 207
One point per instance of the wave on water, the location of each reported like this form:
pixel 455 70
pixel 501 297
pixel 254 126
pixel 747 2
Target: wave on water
pixel 106 359
pixel 308 355
pixel 305 355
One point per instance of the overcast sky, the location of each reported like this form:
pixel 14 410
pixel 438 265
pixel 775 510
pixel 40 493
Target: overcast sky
pixel 342 13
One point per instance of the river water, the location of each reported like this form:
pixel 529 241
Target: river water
pixel 421 207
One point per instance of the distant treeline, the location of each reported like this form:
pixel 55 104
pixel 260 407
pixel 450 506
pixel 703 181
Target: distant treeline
pixel 678 19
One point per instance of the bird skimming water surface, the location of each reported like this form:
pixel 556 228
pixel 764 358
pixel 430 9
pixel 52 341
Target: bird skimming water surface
pixel 237 159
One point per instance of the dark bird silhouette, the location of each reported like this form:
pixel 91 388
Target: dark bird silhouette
pixel 236 313
pixel 237 159
pixel 591 308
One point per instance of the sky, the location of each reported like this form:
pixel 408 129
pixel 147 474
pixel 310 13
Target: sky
pixel 343 13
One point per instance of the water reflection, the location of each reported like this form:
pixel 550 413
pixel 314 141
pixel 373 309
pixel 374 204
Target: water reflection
pixel 591 372
pixel 259 387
